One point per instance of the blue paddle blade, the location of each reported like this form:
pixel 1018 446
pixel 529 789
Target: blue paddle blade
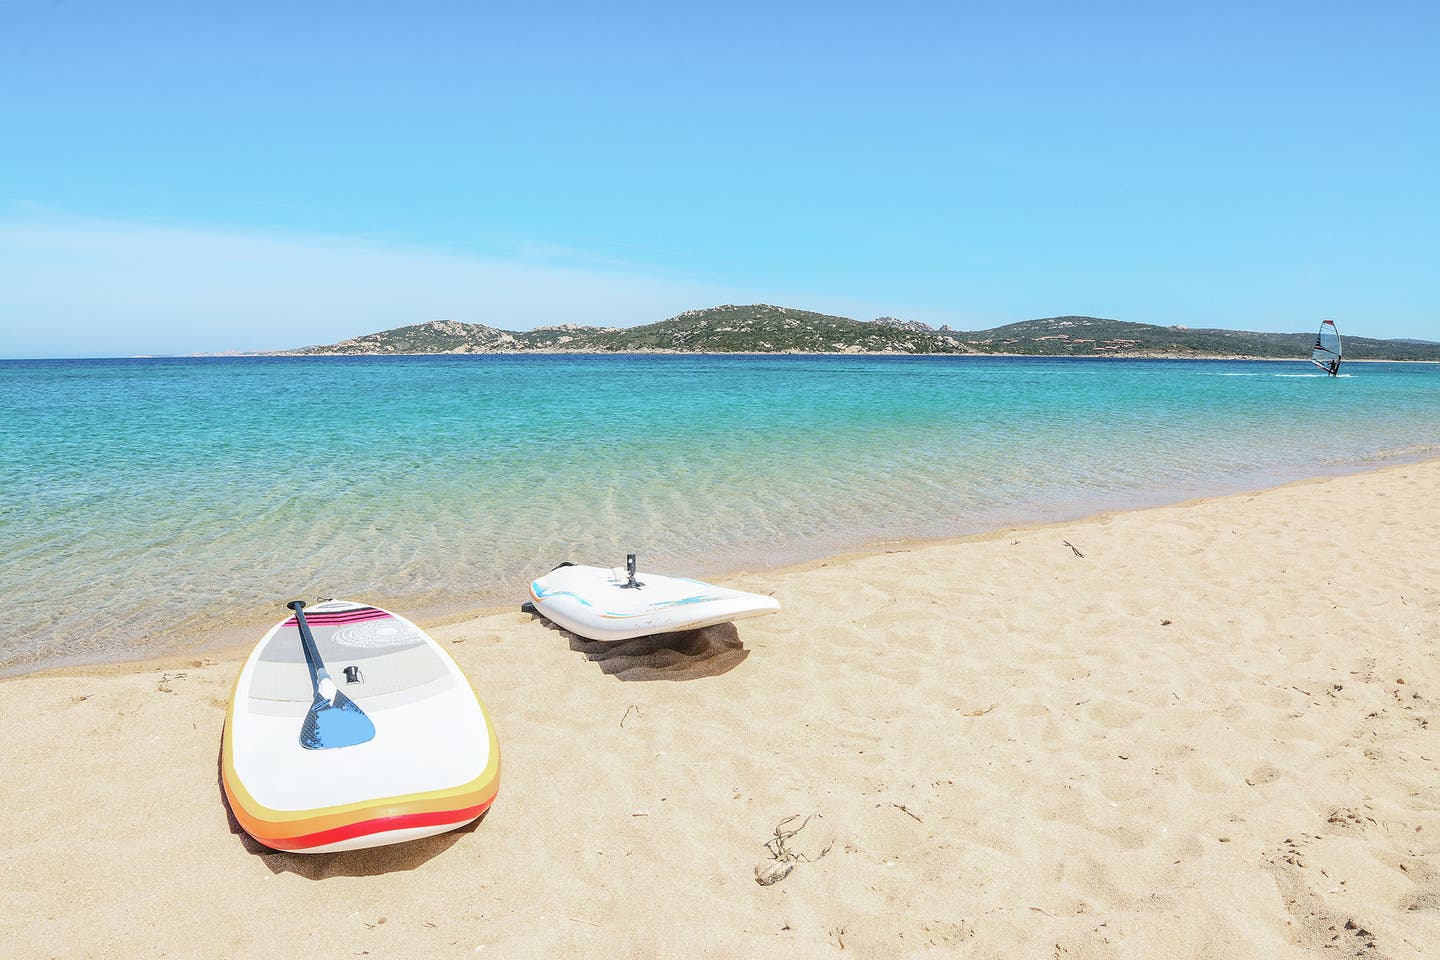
pixel 335 724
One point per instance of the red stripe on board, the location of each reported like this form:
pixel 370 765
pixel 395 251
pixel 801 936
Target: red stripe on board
pixel 379 825
pixel 330 619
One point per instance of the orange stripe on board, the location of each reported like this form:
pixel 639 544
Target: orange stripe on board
pixel 275 832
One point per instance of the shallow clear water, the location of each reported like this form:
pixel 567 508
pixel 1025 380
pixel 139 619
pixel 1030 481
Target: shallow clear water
pixel 148 504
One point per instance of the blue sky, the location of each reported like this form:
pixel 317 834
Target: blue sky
pixel 183 177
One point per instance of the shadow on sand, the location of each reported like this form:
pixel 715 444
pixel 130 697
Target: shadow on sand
pixel 686 655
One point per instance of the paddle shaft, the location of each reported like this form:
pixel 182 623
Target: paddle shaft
pixel 333 720
pixel 312 652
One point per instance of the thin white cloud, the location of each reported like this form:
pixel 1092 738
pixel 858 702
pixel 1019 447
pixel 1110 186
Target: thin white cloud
pixel 84 287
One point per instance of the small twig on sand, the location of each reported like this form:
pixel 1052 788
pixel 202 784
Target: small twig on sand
pixel 908 812
pixel 627 714
pixel 586 922
pixel 980 713
pixel 1075 548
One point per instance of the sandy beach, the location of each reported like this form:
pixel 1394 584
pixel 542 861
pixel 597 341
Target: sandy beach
pixel 1206 730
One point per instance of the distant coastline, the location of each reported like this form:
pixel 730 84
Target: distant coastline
pixel 763 329
pixel 777 353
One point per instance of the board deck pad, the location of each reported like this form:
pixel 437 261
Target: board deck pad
pixel 367 637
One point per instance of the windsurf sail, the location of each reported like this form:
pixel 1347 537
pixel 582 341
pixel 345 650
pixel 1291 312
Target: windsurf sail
pixel 1326 355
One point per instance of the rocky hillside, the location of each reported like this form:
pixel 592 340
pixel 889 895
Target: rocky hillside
pixel 436 336
pixel 762 328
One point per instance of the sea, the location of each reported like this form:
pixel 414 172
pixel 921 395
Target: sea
pixel 160 506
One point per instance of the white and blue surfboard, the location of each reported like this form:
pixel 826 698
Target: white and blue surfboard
pixel 603 603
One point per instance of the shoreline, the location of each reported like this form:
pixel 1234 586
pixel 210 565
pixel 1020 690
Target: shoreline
pixel 241 633
pixel 796 353
pixel 232 355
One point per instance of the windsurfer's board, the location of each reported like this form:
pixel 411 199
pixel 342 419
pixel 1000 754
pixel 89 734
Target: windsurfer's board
pixel 598 602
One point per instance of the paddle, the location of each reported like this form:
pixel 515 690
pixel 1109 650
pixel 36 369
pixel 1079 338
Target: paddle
pixel 334 720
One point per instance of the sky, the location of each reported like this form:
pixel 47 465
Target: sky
pixel 182 177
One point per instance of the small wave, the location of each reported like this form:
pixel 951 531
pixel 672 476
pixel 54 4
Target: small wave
pixel 1419 451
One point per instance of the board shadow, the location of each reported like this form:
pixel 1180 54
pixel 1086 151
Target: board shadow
pixel 683 655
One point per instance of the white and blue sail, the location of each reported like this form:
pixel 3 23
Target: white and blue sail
pixel 1326 354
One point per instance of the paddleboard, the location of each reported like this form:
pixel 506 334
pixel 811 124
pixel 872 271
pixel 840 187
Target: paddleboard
pixel 433 764
pixel 600 603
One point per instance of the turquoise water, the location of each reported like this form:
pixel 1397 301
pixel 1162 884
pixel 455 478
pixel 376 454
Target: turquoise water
pixel 150 505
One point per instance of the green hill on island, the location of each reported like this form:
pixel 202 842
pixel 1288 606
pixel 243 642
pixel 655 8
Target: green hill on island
pixel 1091 336
pixel 762 328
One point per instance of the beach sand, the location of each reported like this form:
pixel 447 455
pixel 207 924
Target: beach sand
pixel 1206 730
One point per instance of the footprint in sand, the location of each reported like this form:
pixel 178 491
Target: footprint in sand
pixel 1114 715
pixel 1264 773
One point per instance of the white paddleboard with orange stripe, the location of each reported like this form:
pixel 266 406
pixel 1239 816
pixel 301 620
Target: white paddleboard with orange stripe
pixel 616 604
pixel 433 764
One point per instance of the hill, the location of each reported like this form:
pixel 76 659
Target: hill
pixel 760 328
pixel 763 328
pixel 1092 336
